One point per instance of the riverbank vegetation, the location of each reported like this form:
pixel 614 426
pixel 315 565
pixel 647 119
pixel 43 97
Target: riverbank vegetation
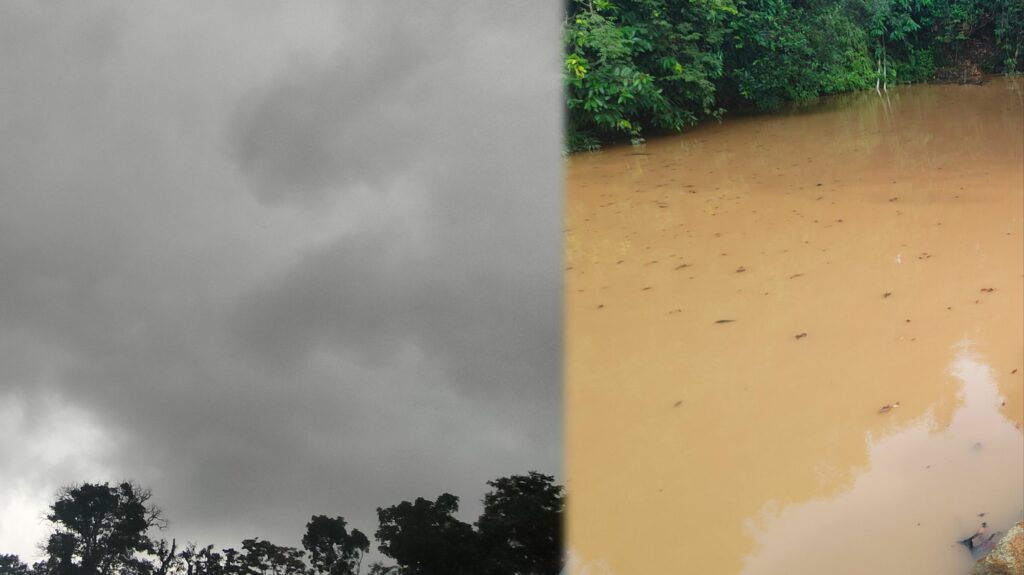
pixel 633 67
pixel 103 529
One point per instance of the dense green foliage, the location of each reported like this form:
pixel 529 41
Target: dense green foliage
pixel 645 62
pixel 636 65
pixel 108 530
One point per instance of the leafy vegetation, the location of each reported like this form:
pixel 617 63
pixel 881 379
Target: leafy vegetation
pixel 633 66
pixel 109 530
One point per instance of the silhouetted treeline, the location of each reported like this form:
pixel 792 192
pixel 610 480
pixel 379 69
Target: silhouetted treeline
pixel 103 529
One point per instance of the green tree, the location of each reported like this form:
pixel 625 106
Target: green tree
pixel 1009 31
pixel 771 60
pixel 781 51
pixel 634 64
pixel 956 22
pixel 898 49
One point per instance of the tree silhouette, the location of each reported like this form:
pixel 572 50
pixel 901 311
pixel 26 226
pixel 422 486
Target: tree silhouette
pixel 60 551
pixel 521 526
pixel 12 565
pixel 332 549
pixel 103 529
pixel 201 561
pixel 100 529
pixel 262 557
pixel 424 538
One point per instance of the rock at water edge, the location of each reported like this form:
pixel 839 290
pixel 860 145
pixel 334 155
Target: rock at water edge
pixel 1008 556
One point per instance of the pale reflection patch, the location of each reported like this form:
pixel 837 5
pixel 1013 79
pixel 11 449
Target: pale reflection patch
pixel 924 489
pixel 575 565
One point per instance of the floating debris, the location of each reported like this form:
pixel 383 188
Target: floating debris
pixel 741 269
pixel 888 407
pixel 801 335
pixel 678 403
pixel 988 290
pixel 887 294
pixel 981 539
pixel 794 276
pixel 725 321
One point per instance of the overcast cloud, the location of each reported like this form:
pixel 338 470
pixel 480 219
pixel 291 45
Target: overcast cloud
pixel 274 259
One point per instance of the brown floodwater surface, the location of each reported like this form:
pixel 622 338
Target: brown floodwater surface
pixel 742 299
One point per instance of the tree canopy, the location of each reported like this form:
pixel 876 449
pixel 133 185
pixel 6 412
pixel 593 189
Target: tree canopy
pixel 424 537
pixel 520 526
pixel 101 530
pixel 332 549
pixel 632 66
pixel 104 529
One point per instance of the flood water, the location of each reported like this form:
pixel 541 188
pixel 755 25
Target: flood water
pixel 865 251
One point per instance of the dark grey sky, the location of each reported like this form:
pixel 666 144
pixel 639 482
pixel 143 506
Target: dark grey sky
pixel 277 258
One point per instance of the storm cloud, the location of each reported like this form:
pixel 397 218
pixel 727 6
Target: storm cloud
pixel 276 259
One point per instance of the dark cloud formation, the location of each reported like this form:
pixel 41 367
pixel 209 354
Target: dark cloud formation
pixel 277 259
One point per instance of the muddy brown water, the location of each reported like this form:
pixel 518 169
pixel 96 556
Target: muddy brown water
pixel 868 250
